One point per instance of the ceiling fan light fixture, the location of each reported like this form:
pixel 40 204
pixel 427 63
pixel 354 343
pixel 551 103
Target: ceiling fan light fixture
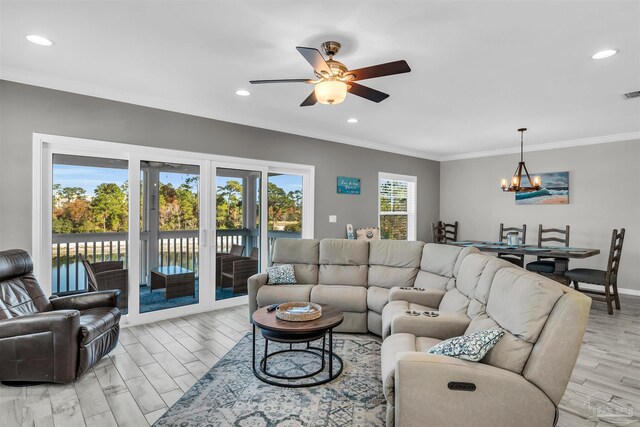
pixel 330 92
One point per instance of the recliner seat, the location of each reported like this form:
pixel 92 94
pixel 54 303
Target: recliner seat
pixel 50 340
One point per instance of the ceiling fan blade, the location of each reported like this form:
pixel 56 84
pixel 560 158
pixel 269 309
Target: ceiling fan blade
pixel 311 100
pixel 388 69
pixel 314 57
pixel 259 82
pixel 367 92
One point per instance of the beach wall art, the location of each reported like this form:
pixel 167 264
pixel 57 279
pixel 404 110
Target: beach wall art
pixel 554 190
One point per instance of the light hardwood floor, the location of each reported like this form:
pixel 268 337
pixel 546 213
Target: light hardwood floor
pixel 154 364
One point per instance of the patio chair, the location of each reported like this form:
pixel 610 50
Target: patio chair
pixel 107 275
pixel 236 251
pixel 236 271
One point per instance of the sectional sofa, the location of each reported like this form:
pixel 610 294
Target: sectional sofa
pixel 375 283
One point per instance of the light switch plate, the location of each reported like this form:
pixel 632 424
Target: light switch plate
pixel 333 218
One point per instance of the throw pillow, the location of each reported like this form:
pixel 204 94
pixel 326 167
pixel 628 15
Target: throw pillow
pixel 470 347
pixel 281 275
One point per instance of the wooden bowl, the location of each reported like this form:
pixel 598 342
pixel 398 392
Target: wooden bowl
pixel 283 313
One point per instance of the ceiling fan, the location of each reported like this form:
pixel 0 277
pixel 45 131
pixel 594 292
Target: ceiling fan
pixel 334 79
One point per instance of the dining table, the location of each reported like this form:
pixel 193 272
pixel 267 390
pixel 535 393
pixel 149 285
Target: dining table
pixel 560 254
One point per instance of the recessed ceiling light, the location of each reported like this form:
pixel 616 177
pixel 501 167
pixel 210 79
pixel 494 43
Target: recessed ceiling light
pixel 243 92
pixel 39 40
pixel 352 120
pixel 604 54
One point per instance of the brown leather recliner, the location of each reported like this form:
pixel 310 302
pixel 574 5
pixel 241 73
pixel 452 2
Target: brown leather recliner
pixel 50 340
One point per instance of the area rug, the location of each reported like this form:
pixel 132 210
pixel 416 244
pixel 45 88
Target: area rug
pixel 230 395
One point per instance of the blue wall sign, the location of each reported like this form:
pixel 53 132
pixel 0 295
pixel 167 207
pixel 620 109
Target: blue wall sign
pixel 348 185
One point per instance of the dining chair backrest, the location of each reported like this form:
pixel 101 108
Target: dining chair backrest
pixel 522 232
pixel 444 233
pixel 557 235
pixel 255 252
pixel 615 252
pixel 552 235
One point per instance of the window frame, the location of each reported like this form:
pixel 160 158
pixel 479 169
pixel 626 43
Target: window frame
pixel 412 196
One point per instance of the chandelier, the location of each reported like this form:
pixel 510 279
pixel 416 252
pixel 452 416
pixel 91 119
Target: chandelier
pixel 516 179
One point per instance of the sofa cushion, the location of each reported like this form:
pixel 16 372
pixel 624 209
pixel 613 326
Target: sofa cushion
pixel 377 298
pixel 395 253
pixel 295 251
pixel 345 298
pixel 439 259
pixel 282 274
pixel 454 301
pixel 520 302
pixel 389 277
pixel 97 321
pixel 344 252
pixel 427 280
pixel 509 353
pixel 471 347
pixel 276 294
pixel 425 344
pixel 302 253
pixel 352 275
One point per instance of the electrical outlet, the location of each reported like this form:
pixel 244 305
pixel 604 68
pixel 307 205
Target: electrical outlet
pixel 333 218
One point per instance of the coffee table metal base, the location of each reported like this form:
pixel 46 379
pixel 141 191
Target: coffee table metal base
pixel 333 360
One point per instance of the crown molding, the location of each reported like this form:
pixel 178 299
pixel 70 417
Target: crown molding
pixel 97 91
pixel 618 137
pixel 89 89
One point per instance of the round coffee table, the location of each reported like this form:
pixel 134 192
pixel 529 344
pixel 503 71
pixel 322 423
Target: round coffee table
pixel 283 331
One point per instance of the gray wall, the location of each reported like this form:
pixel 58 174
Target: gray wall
pixel 28 109
pixel 604 193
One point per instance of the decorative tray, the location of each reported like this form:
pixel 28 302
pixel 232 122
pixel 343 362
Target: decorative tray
pixel 298 311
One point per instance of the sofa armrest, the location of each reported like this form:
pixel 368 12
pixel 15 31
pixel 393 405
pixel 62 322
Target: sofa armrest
pixel 254 283
pixel 87 301
pixel 427 297
pixel 57 322
pixel 40 347
pixel 462 393
pixel 446 325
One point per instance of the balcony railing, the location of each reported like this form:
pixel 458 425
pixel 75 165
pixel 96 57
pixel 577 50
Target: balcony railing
pixel 180 247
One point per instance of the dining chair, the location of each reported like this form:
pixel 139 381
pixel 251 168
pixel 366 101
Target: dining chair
pixel 607 278
pixel 547 265
pixel 522 234
pixel 444 233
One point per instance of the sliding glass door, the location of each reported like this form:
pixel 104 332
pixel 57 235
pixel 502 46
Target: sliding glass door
pixel 176 232
pixel 169 235
pixel 89 225
pixel 238 230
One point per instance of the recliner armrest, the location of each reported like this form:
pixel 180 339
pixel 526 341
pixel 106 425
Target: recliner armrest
pixel 254 283
pixel 428 297
pixel 489 396
pixel 446 325
pixel 58 322
pixel 87 301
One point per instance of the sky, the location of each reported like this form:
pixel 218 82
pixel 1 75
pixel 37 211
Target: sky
pixel 89 178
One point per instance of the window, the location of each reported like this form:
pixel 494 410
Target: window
pixel 397 206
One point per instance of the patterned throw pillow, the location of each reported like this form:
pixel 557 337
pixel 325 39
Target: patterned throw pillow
pixel 281 275
pixel 470 347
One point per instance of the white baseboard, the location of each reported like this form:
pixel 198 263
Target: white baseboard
pixel 622 291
